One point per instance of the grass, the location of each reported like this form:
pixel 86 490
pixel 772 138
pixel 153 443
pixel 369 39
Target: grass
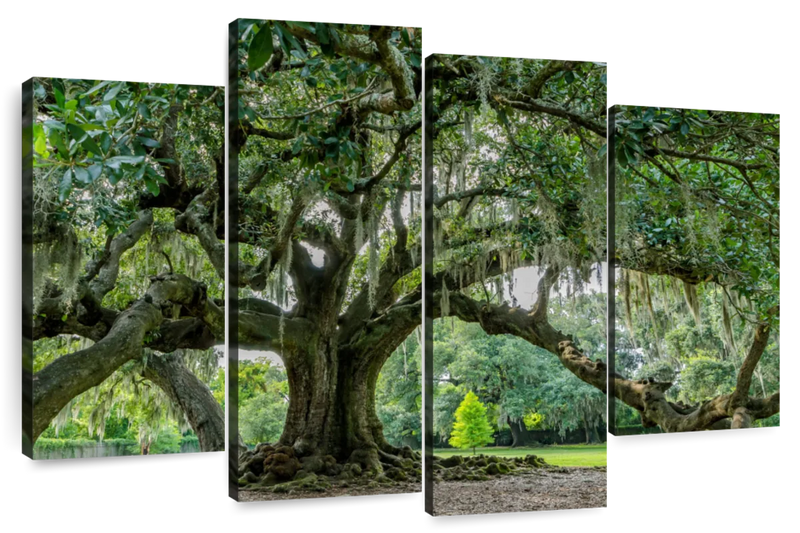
pixel 565 455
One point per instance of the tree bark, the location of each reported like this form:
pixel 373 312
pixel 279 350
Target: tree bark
pixel 203 412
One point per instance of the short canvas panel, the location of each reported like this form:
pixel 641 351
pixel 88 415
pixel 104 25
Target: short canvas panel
pixel 123 291
pixel 696 213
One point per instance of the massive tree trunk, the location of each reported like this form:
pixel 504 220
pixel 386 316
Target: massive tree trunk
pixel 332 406
pixel 332 381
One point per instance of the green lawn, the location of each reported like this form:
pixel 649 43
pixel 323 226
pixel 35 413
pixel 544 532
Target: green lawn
pixel 566 455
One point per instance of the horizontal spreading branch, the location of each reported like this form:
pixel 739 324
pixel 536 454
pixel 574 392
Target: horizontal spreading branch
pixel 536 106
pixel 68 376
pixel 648 397
pixel 483 190
pixel 269 332
pixel 72 374
pixel 528 325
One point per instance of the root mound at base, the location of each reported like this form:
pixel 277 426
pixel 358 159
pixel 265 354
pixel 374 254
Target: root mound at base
pixel 280 469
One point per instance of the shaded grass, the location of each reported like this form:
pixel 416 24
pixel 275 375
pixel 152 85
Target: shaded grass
pixel 565 455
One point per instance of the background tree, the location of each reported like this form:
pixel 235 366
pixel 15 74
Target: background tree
pixel 523 382
pixel 126 227
pixel 263 400
pixel 398 395
pixel 472 429
pixel 328 232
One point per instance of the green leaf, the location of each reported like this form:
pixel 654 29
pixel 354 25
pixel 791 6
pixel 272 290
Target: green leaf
pixel 58 141
pixel 602 151
pixel 157 177
pixel 684 128
pixel 76 133
pixel 415 60
pixel 404 35
pixel 322 34
pixel 622 159
pixel 569 77
pixel 140 172
pixel 95 171
pixel 82 175
pixel 40 142
pixel 96 88
pixel 105 141
pixel 54 125
pixel 116 161
pixel 291 39
pixel 65 187
pixel 59 94
pixel 114 176
pixel 144 111
pixel 331 140
pixel 152 143
pixel 90 146
pixel 351 186
pixel 304 25
pixel 113 92
pixel 260 49
pixel 152 186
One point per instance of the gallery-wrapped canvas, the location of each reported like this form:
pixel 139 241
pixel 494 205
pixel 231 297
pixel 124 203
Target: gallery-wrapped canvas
pixel 514 269
pixel 123 268
pixel 325 154
pixel 695 310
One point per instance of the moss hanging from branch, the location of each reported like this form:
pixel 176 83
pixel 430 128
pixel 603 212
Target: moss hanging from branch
pixel 692 301
pixel 498 288
pixel 649 301
pixel 359 240
pixel 626 295
pixel 727 328
pixel 445 300
pixel 373 265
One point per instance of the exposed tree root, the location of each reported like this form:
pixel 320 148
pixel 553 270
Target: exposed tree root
pixel 482 467
pixel 280 469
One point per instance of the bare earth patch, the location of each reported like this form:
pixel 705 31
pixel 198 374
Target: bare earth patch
pixel 535 490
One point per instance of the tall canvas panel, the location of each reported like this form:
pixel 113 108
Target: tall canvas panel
pixel 325 390
pixel 515 274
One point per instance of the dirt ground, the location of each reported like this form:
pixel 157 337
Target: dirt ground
pixel 536 490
